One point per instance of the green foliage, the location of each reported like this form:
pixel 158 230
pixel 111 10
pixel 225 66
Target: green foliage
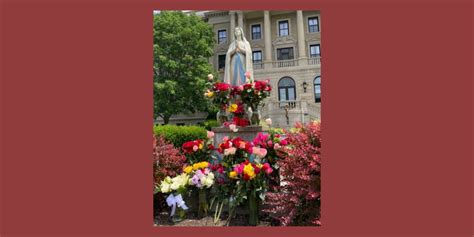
pixel 177 135
pixel 208 124
pixel 182 45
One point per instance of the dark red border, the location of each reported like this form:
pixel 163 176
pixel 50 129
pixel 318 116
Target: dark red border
pixel 77 110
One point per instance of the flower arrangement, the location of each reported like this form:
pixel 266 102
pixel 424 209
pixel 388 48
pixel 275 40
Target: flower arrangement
pixel 199 150
pixel 202 178
pixel 220 93
pixel 176 186
pixel 239 99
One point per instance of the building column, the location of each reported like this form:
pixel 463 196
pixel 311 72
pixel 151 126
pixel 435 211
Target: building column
pixel 240 16
pixel 301 42
pixel 232 26
pixel 268 39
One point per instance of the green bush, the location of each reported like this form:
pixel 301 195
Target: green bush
pixel 210 123
pixel 177 135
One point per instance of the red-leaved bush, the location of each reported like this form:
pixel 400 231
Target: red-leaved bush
pixel 167 160
pixel 298 201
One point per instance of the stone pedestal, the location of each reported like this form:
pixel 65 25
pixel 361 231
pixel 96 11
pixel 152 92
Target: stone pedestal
pixel 247 133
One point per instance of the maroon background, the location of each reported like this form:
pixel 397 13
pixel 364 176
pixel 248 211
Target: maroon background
pixel 77 114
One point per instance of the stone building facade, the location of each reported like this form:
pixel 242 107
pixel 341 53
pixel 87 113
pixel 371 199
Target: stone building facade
pixel 286 49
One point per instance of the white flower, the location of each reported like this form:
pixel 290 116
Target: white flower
pixel 165 187
pixel 268 121
pixel 233 127
pixel 210 76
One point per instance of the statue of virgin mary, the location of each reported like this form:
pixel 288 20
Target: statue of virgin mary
pixel 238 59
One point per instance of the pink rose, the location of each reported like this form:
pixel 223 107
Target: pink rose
pixel 247 74
pixel 270 143
pixel 195 148
pixel 210 134
pixel 284 142
pixel 277 146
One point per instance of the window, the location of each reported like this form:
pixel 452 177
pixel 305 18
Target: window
pixel 221 62
pixel 256 32
pixel 283 28
pixel 314 50
pixel 221 36
pixel 313 24
pixel 257 56
pixel 317 89
pixel 286 89
pixel 285 53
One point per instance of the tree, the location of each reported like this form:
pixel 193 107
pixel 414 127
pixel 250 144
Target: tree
pixel 182 44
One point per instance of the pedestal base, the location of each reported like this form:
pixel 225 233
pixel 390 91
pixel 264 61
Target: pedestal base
pixel 247 133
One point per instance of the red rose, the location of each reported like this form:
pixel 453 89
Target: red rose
pixel 221 86
pixel 247 86
pixel 188 146
pixel 246 177
pixel 260 85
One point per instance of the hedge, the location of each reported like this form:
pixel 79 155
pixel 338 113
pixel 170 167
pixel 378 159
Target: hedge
pixel 177 135
pixel 210 123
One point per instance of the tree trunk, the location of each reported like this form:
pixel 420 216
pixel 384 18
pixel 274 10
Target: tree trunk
pixel 166 119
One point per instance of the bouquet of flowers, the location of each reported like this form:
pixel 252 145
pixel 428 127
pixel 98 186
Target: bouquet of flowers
pixel 246 175
pixel 202 178
pixel 274 143
pixel 199 150
pixel 177 187
pixel 252 94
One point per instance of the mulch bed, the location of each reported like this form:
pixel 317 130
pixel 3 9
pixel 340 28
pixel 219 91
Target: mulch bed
pixel 163 219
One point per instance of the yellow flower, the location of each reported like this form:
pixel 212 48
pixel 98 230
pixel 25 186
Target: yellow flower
pixel 259 166
pixel 248 169
pixel 188 169
pixel 196 166
pixel 233 175
pixel 200 146
pixel 233 108
pixel 210 94
pixel 204 164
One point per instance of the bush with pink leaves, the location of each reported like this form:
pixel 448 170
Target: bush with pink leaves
pixel 167 160
pixel 298 202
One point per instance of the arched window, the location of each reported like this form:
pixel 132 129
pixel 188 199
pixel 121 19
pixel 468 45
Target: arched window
pixel 286 89
pixel 317 89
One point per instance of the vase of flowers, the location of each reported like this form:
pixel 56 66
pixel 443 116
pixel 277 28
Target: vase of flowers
pixel 254 116
pixel 222 116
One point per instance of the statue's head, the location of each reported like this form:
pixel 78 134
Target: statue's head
pixel 238 31
pixel 239 34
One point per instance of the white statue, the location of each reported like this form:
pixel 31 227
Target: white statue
pixel 238 59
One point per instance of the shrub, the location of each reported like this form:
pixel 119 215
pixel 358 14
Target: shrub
pixel 209 124
pixel 298 202
pixel 177 135
pixel 167 160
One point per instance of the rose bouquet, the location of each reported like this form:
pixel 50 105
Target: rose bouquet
pixel 252 94
pixel 274 143
pixel 198 150
pixel 220 94
pixel 177 187
pixel 247 175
